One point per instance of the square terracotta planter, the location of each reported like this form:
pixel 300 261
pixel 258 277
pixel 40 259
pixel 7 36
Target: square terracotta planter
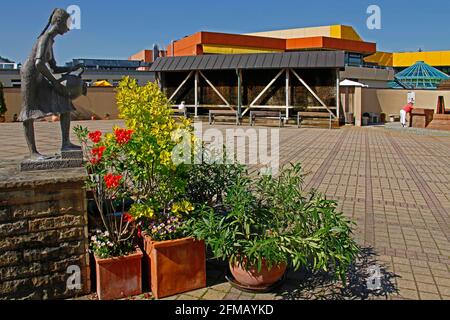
pixel 119 277
pixel 176 266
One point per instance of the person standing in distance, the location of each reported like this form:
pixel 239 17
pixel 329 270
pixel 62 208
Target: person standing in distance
pixel 405 111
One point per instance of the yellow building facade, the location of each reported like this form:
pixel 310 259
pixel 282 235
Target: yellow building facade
pixel 407 59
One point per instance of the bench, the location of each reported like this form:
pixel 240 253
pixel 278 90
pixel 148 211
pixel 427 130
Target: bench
pixel 268 115
pixel 223 113
pixel 323 115
pixel 394 118
pixel 180 113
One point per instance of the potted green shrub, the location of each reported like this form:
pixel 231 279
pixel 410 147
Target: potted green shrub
pixel 175 262
pixel 270 223
pixel 3 108
pixel 117 256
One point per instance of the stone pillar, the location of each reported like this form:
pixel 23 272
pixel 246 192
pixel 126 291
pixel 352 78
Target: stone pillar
pixel 43 234
pixel 358 107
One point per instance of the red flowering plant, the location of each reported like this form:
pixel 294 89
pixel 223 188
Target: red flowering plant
pixel 110 184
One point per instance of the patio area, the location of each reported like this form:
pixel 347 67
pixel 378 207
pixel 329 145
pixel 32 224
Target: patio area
pixel 394 184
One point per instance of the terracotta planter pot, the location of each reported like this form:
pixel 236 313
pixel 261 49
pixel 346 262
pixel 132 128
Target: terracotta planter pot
pixel 2 119
pixel 176 266
pixel 119 277
pixel 252 278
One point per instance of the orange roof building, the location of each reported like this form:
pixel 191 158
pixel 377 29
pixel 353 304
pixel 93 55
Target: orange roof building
pixel 335 37
pixel 224 43
pixel 325 38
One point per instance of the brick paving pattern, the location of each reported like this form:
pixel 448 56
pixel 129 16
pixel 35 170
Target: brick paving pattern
pixel 394 184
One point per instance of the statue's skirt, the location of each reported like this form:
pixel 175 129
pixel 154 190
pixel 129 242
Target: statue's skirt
pixel 40 99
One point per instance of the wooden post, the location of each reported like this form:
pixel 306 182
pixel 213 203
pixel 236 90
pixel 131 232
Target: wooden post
pixel 239 107
pixel 288 93
pixel 196 93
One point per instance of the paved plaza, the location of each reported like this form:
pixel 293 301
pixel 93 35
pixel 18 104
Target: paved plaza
pixel 394 184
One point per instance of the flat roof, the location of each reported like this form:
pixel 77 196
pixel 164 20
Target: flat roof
pixel 297 60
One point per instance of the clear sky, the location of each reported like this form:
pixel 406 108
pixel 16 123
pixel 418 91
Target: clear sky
pixel 117 29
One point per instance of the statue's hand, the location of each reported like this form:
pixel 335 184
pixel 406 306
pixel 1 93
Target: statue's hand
pixel 78 66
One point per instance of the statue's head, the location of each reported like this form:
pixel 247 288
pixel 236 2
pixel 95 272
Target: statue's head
pixel 60 21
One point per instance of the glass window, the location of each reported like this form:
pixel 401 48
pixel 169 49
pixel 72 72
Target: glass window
pixel 354 59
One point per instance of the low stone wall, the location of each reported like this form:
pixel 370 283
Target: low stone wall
pixel 43 234
pixel 98 102
pixel 389 101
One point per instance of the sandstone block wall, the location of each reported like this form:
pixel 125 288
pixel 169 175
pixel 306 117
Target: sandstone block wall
pixel 43 234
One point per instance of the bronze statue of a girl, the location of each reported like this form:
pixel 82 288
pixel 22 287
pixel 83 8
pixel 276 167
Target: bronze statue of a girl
pixel 43 91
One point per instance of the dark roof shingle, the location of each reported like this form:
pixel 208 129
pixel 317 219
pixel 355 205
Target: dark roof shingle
pixel 308 59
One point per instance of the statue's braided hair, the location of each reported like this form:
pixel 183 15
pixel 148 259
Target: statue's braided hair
pixel 58 16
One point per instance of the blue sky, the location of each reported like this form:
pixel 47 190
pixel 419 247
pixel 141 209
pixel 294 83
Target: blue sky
pixel 117 29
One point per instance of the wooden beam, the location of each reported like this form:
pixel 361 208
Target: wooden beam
pixel 181 85
pixel 313 93
pixel 266 88
pixel 266 107
pixel 245 111
pixel 215 90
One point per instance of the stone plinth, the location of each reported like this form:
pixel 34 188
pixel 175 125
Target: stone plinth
pixel 43 233
pixel 72 155
pixel 421 118
pixel 66 160
pixel 440 122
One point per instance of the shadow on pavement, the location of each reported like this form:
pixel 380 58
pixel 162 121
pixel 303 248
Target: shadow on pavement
pixel 304 285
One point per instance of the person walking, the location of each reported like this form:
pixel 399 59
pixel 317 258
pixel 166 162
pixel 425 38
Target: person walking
pixel 404 112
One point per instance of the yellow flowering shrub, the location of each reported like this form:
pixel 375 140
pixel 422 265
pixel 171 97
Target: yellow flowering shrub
pixel 147 111
pixel 159 182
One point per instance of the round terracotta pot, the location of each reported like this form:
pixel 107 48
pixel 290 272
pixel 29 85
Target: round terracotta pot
pixel 255 279
pixel 2 118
